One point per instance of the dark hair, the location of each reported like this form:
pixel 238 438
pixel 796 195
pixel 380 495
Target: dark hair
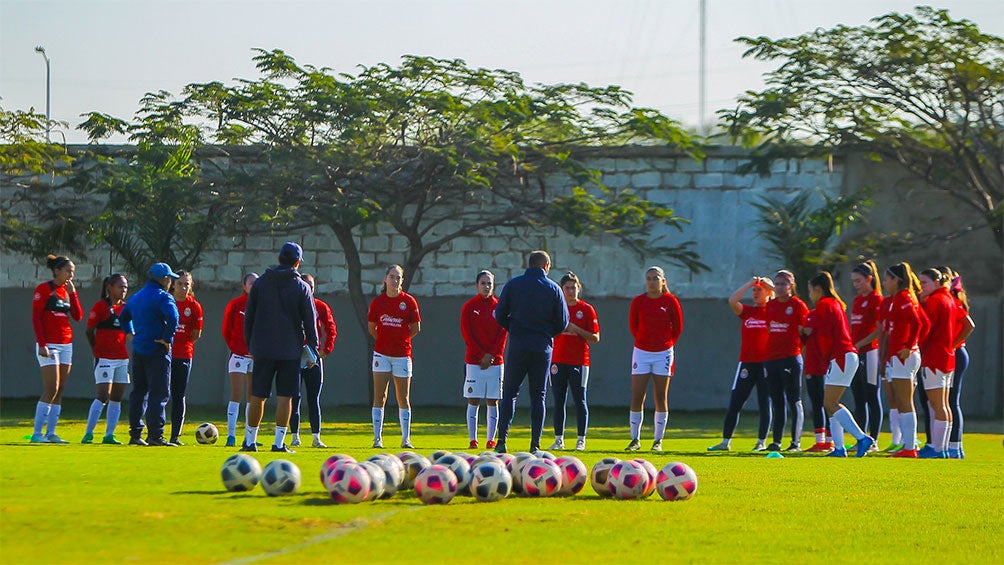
pixel 56 262
pixel 110 280
pixel 538 259
pixel 383 288
pixel 247 276
pixel 181 273
pixel 309 279
pixel 956 287
pixel 662 275
pixel 936 275
pixel 482 273
pixel 869 269
pixel 907 280
pixel 824 282
pixel 570 276
pixel 791 279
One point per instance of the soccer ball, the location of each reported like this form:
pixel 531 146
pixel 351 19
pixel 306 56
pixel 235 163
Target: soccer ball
pixel 329 465
pixel 653 473
pixel 434 458
pixel 349 483
pixel 240 472
pixel 466 456
pixel 393 473
pixel 506 459
pixel 541 477
pixel 413 465
pixel 378 479
pixel 598 474
pixel 481 459
pixel 573 475
pixel 436 484
pixel 280 477
pixel 676 481
pixel 460 467
pixel 490 482
pixel 515 467
pixel 541 454
pixel 627 480
pixel 206 433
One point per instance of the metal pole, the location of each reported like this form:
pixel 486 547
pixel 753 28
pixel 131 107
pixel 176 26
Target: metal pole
pixel 702 73
pixel 48 95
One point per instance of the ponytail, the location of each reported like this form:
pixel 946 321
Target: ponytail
pixel 869 269
pixel 56 262
pixel 824 282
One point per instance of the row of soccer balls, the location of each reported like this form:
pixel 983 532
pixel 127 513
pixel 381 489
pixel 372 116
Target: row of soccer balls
pixel 487 477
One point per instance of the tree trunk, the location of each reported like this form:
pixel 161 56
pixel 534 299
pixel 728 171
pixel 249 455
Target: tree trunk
pixel 360 305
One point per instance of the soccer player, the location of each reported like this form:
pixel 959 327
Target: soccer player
pixel 785 315
pixel 964 326
pixel 189 331
pixel 570 361
pixel 864 332
pixel 240 365
pixel 54 303
pixel 750 373
pixel 937 358
pixel 107 339
pixel 833 335
pixel 656 322
pixel 393 320
pixel 485 344
pixel 312 377
pixel 816 364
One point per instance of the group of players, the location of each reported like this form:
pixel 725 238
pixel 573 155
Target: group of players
pixel 918 329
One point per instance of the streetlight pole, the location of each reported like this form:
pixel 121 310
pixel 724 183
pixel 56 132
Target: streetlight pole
pixel 48 92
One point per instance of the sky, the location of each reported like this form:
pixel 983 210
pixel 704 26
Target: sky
pixel 106 54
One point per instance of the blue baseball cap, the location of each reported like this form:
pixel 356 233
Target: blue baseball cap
pixel 161 270
pixel 291 252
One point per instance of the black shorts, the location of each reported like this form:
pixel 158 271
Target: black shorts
pixel 285 373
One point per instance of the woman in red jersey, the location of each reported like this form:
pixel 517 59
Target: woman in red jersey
pixel 189 331
pixel 240 365
pixel 815 366
pixel 107 339
pixel 964 326
pixel 485 341
pixel 393 320
pixel 903 325
pixel 864 332
pixel 937 358
pixel 785 315
pixel 570 361
pixel 750 373
pixel 833 334
pixel 54 303
pixel 656 322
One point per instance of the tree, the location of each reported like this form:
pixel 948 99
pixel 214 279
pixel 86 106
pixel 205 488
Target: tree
pixel 925 91
pixel 435 149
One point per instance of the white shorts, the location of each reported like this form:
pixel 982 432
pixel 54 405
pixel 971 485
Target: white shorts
pixel 240 364
pixel 656 362
pixel 835 376
pixel 111 371
pixel 933 378
pixel 59 354
pixel 871 366
pixel 483 383
pixel 898 369
pixel 397 366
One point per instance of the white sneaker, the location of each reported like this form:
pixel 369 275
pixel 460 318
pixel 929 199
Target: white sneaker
pixel 760 446
pixel 295 442
pixel 559 444
pixel 378 444
pixel 580 445
pixel 318 443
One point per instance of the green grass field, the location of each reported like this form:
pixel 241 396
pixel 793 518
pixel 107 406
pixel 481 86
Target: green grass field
pixel 112 504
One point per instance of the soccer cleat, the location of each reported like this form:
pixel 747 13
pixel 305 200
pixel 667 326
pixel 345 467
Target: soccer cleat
pixel 109 439
pixel 406 444
pixel 793 448
pixel 249 447
pixel 580 445
pixel 318 443
pixel 500 447
pixel 295 442
pixel 893 448
pixel 906 454
pixel 88 438
pixel 760 446
pixel 635 445
pixel 53 438
pixel 720 446
pixel 38 438
pixel 137 441
pixel 231 441
pixel 837 452
pixel 490 444
pixel 820 447
pixel 864 445
pixel 281 449
pixel 928 452
pixel 176 442
pixel 657 445
pixel 774 447
pixel 378 444
pixel 473 444
pixel 955 453
pixel 559 444
pixel 159 442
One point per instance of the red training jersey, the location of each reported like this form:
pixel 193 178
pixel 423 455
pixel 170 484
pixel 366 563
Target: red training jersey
pixel 572 349
pixel 936 351
pixel 753 342
pixel 783 321
pixel 233 325
pixel 482 334
pixel 189 320
pixel 902 322
pixel 864 318
pixel 814 360
pixel 109 339
pixel 655 323
pixel 393 318
pixel 834 333
pixel 326 329
pixel 51 310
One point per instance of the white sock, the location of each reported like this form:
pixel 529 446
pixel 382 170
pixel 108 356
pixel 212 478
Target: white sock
pixel 895 428
pixel 820 435
pixel 938 436
pixel 317 437
pixel 493 421
pixel 955 445
pixel 837 431
pixel 52 419
pixel 250 435
pixel 661 418
pixel 948 434
pixel 280 436
pixel 114 412
pixel 908 427
pixel 847 421
pixel 635 419
pixel 41 415
pixel 727 441
pixel 93 415
pixel 472 421
pixel 247 413
pixel 404 417
pixel 560 438
pixel 296 436
pixel 582 438
pixel 799 423
pixel 232 408
pixel 377 415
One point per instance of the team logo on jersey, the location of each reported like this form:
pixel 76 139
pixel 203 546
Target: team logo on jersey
pixel 188 311
pixel 402 306
pixel 744 373
pixel 477 312
pixel 864 304
pixel 554 368
pixel 579 314
pixel 788 310
pixel 37 296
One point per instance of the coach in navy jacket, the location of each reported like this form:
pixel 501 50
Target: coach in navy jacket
pixel 278 319
pixel 532 308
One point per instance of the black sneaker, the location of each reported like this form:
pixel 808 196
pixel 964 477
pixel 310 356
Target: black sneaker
pixel 252 447
pixel 159 442
pixel 281 449
pixel 137 441
pixel 500 447
pixel 793 448
pixel 635 445
pixel 774 447
pixel 176 442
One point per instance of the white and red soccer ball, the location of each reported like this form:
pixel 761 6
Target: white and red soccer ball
pixel 574 475
pixel 676 481
pixel 348 483
pixel 436 484
pixel 541 477
pixel 627 479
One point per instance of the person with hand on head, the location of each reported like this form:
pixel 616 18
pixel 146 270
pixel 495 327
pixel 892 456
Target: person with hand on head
pixel 189 331
pixel 485 343
pixel 240 364
pixel 53 305
pixel 570 361
pixel 107 339
pixel 312 376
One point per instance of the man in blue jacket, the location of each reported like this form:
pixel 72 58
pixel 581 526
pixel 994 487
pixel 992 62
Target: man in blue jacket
pixel 532 308
pixel 278 319
pixel 154 317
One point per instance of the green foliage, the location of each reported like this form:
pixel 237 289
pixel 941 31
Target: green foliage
pixel 922 90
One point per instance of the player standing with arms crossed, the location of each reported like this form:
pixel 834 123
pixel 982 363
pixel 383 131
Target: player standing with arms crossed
pixel 240 365
pixel 107 339
pixel 189 331
pixel 485 344
pixel 313 377
pixel 785 314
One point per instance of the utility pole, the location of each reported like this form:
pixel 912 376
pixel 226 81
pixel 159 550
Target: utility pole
pixel 702 70
pixel 48 92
